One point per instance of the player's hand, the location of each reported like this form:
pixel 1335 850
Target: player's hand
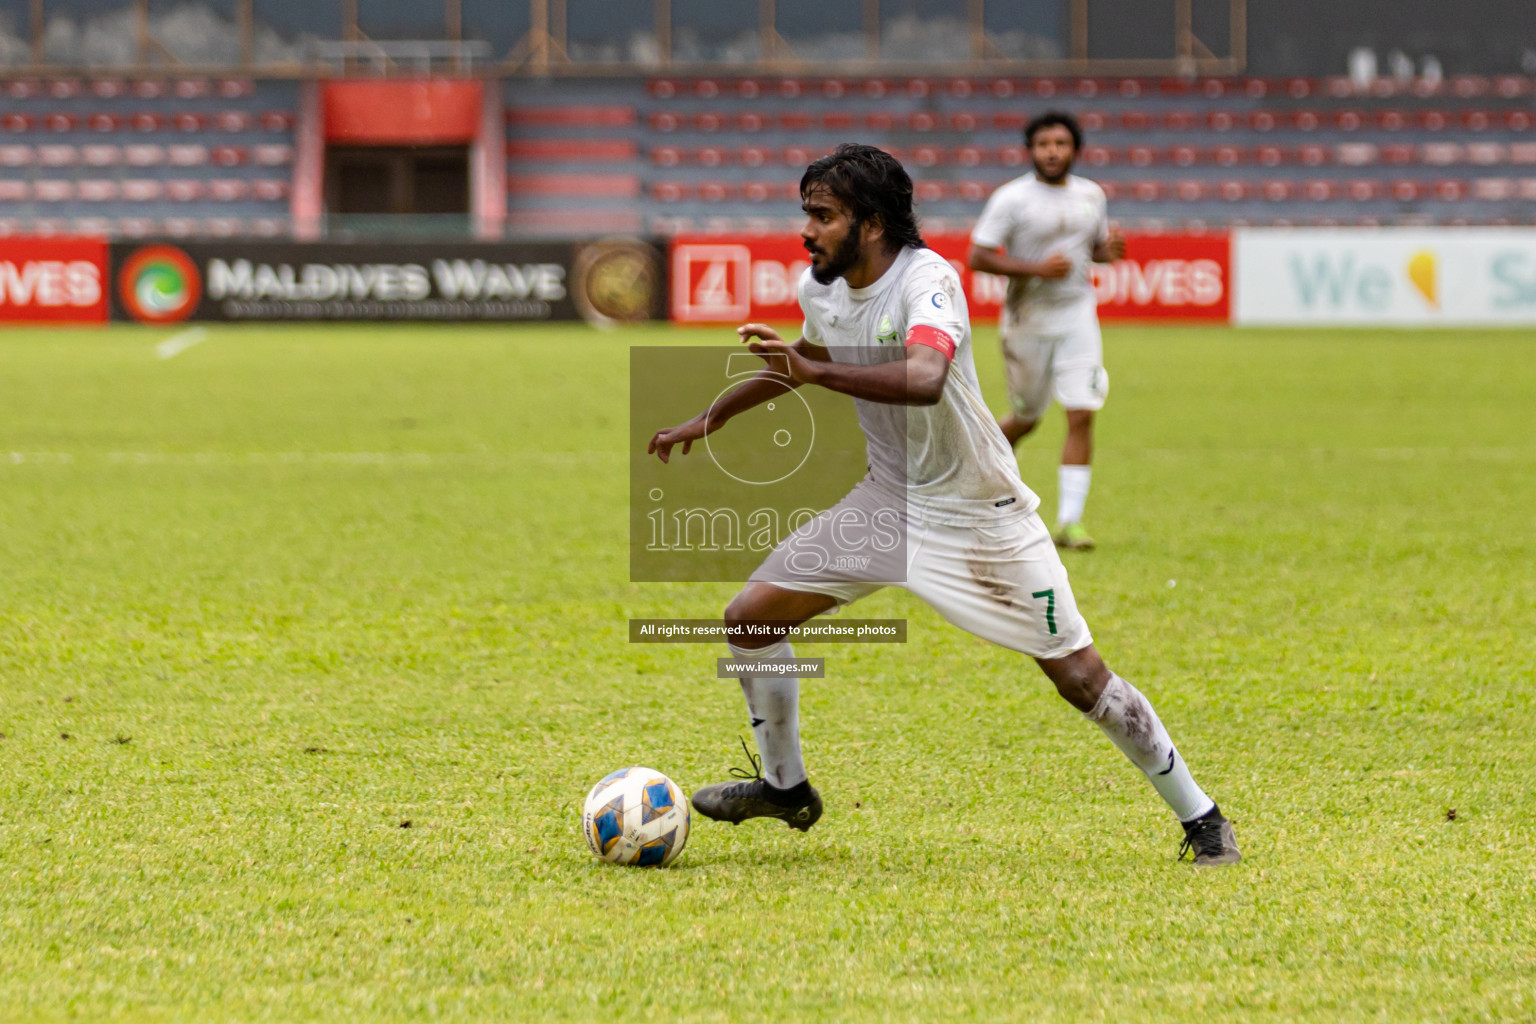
pixel 684 434
pixel 1113 247
pixel 1056 267
pixel 780 356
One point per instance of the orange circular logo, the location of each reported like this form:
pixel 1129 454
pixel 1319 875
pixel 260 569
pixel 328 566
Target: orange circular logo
pixel 159 284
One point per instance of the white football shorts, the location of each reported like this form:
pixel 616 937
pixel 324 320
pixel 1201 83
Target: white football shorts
pixel 1003 582
pixel 1067 364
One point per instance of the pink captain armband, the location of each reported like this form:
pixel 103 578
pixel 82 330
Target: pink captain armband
pixel 934 338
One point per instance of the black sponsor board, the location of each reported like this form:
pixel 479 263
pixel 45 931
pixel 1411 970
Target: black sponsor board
pixel 165 282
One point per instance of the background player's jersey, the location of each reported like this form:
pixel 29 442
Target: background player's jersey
pixel 1034 221
pixel 949 459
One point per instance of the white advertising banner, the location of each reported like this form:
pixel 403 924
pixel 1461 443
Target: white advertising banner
pixel 1418 276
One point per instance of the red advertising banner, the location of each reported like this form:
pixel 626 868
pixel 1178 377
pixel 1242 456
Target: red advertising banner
pixel 58 280
pixel 730 279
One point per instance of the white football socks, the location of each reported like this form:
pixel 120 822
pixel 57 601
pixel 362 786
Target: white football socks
pixel 1129 721
pixel 773 703
pixel 1072 493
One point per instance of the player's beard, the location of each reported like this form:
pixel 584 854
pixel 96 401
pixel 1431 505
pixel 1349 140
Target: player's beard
pixel 1066 169
pixel 841 259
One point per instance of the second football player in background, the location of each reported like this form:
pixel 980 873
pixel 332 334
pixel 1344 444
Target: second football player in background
pixel 1042 231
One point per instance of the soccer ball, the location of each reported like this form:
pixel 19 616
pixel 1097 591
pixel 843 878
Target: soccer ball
pixel 636 816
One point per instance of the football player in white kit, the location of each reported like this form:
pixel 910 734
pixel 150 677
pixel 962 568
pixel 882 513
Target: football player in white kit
pixel 1042 231
pixel 886 322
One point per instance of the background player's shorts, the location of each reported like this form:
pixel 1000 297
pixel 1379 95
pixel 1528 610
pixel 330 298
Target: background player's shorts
pixel 1003 582
pixel 1067 364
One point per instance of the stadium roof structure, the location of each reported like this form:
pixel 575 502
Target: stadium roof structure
pixel 282 38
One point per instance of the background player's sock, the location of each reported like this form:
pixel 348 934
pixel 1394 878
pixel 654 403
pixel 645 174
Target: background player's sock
pixel 1128 720
pixel 1072 493
pixel 773 703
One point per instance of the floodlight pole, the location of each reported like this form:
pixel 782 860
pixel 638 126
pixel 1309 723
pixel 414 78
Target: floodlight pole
pixel 247 19
pixel 1077 31
pixel 38 28
pixel 663 15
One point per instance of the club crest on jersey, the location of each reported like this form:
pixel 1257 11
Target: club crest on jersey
pixel 886 331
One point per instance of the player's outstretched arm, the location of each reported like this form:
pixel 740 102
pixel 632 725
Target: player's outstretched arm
pixel 755 390
pixel 991 261
pixel 916 380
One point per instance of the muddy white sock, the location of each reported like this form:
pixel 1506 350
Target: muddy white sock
pixel 1072 493
pixel 773 704
pixel 1128 720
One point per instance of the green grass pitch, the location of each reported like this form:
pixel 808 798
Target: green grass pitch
pixel 267 603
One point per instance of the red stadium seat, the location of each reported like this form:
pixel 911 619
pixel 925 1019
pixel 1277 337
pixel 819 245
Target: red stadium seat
pixel 187 156
pixel 277 154
pixel 617 186
pixel 101 156
pixel 184 190
pixel 1361 190
pixel 273 189
pixel 14 191
pixel 142 189
pixel 96 190
pixel 144 155
pixel 593 116
pixel 1441 153
pixel 228 190
pixel 57 156
pixel 53 190
pixel 1355 154
pixel 17 156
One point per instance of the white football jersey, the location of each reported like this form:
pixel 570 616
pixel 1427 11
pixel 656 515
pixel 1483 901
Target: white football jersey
pixel 949 459
pixel 1034 221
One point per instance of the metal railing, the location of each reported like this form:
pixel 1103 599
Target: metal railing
pixel 425 56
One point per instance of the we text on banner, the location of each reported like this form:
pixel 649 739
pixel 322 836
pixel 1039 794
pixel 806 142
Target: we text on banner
pixel 1409 276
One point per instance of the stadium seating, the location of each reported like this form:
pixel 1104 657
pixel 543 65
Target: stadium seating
pixel 145 157
pixel 625 155
pixel 724 154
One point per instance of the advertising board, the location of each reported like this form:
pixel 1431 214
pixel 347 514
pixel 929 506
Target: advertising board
pixel 614 280
pixel 725 279
pixel 1408 276
pixel 53 280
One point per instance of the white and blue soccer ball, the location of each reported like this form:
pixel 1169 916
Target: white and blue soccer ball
pixel 636 816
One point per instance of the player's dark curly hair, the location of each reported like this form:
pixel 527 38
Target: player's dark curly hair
pixel 873 185
pixel 1050 119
